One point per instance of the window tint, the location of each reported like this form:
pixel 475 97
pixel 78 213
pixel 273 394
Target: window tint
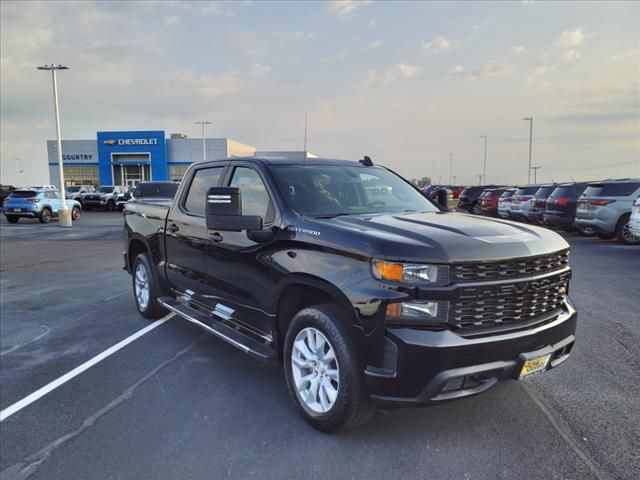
pixel 544 192
pixel 255 198
pixel 162 190
pixel 526 191
pixel 203 180
pixel 50 195
pixel 24 194
pixel 611 189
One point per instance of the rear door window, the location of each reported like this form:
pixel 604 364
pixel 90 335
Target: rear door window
pixel 203 180
pixel 24 194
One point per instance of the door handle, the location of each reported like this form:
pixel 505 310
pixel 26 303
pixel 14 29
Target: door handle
pixel 215 237
pixel 173 228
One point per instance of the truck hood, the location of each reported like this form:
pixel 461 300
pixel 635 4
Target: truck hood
pixel 448 237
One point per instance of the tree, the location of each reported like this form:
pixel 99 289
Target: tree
pixel 421 182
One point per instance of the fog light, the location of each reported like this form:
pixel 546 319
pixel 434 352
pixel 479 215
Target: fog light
pixel 417 312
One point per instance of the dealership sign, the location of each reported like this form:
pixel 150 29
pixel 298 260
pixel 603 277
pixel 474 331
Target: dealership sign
pixel 132 141
pixel 77 156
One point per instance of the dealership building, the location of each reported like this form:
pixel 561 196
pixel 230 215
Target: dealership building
pixel 126 158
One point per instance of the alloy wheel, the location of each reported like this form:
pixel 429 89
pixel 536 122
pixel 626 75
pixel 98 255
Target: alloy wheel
pixel 316 372
pixel 142 286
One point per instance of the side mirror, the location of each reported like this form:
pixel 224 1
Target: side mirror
pixel 224 211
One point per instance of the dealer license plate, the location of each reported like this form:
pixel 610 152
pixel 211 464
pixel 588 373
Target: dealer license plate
pixel 535 365
pixel 17 209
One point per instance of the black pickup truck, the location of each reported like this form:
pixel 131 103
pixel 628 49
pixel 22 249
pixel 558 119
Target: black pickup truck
pixel 372 296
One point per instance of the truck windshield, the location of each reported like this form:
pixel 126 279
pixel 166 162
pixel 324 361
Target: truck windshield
pixel 72 189
pixel 332 190
pixel 104 190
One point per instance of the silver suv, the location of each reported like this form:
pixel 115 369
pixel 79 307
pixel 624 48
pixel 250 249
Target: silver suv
pixel 605 208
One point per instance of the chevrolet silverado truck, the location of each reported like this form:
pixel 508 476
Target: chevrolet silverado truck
pixel 370 295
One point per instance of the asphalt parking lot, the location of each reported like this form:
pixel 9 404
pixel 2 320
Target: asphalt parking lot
pixel 176 403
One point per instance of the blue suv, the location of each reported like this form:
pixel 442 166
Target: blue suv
pixel 40 204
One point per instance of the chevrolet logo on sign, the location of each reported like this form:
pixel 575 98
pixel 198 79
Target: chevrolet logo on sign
pixel 109 142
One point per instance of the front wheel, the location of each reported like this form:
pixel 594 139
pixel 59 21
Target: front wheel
pixel 145 288
pixel 477 208
pixel 323 371
pixel 111 206
pixel 12 218
pixel 623 232
pixel 75 214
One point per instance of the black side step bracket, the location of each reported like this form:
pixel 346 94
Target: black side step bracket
pixel 248 345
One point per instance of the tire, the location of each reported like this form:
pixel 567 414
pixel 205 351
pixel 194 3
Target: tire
pixel 351 406
pixel 45 215
pixel 111 206
pixel 476 208
pixel 605 235
pixel 12 218
pixel 142 272
pixel 623 234
pixel 75 214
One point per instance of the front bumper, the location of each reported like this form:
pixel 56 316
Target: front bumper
pixel 429 367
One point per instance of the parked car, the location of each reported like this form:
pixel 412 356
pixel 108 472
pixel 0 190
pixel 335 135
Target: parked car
pixel 504 202
pixel 123 198
pixel 605 208
pixel 41 204
pixel 490 199
pixel 5 191
pixel 539 203
pixel 104 197
pixel 561 205
pixel 634 221
pixel 468 199
pixel 522 202
pixel 75 191
pixel 366 304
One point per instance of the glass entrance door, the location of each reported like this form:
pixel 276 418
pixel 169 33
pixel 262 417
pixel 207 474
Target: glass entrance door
pixel 130 175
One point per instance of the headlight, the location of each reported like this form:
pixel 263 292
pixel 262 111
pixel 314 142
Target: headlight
pixel 412 273
pixel 417 312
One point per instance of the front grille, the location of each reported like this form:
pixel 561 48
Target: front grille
pixel 508 304
pixel 505 269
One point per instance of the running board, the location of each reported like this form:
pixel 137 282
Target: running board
pixel 248 345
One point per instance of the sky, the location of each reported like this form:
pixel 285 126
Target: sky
pixel 407 83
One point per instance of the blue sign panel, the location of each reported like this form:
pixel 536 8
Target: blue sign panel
pixel 126 148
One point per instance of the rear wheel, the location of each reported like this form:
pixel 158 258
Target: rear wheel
pixel 111 206
pixel 45 215
pixel 323 371
pixel 75 213
pixel 12 218
pixel 623 233
pixel 477 208
pixel 145 288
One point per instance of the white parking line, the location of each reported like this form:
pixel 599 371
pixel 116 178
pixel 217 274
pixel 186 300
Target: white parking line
pixel 28 400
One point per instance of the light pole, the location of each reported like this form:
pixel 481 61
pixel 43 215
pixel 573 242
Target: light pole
pixel 530 120
pixel 18 172
pixel 433 177
pixel 64 215
pixel 535 173
pixel 204 145
pixel 450 168
pixel 479 179
pixel 484 168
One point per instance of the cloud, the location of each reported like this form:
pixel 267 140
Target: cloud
pixel 540 71
pixel 205 85
pixel 518 50
pixel 171 20
pixel 438 44
pixel 258 70
pixel 399 71
pixel 572 55
pixel 490 69
pixel 571 39
pixel 253 44
pixel 376 43
pixel 342 8
pixel 372 23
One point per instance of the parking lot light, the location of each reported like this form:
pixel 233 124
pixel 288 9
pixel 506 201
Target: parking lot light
pixel 530 120
pixel 64 214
